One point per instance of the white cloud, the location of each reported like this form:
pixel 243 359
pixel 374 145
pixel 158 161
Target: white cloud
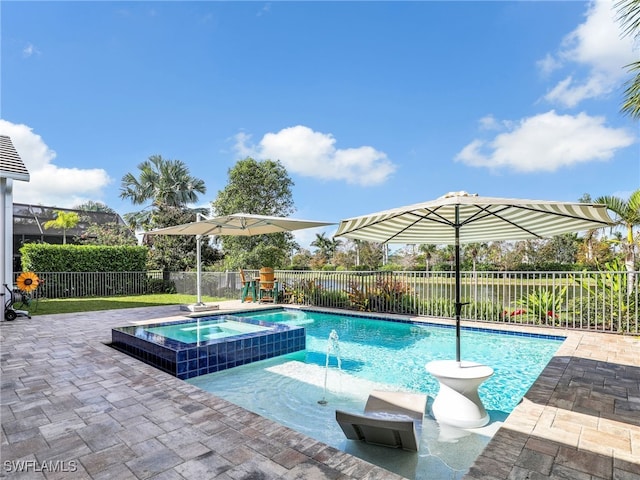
pixel 266 8
pixel 547 142
pixel 313 154
pixel 598 45
pixel 549 64
pixel 49 184
pixel 29 50
pixel 489 122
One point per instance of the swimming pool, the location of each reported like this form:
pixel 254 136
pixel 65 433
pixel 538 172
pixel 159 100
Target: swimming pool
pixel 384 355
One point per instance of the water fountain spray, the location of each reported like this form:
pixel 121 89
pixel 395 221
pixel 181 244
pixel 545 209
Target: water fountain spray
pixel 334 345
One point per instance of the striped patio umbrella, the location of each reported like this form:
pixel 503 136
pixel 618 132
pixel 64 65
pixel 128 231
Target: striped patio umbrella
pixel 459 217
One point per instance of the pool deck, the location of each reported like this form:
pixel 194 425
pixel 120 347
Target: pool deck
pixel 72 407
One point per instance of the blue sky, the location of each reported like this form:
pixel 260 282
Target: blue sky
pixel 369 105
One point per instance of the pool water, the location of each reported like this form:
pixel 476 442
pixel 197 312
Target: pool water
pixel 200 331
pixel 383 355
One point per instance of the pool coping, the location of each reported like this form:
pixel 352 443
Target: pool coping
pixel 69 400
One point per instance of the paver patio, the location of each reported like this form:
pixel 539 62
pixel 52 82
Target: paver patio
pixel 72 407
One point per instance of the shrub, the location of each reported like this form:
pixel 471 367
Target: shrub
pixel 43 257
pixel 159 285
pixel 543 304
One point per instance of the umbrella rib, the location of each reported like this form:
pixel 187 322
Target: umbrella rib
pixel 476 216
pixel 420 217
pixel 560 214
pixel 485 209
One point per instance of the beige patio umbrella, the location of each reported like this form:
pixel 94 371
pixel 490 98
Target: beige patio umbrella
pixel 242 224
pixel 459 217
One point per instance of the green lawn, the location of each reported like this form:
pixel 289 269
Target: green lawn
pixel 71 305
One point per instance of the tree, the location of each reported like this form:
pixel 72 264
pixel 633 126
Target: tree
pixel 327 247
pixel 473 251
pixel 63 221
pixel 108 234
pixel 371 255
pixel 429 250
pixel 629 16
pixel 91 206
pixel 263 188
pixel 161 182
pixel 597 252
pixel 561 249
pixel 589 236
pixel 301 260
pixel 167 187
pixel 627 215
pixel 177 252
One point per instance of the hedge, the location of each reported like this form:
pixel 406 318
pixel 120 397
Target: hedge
pixel 43 257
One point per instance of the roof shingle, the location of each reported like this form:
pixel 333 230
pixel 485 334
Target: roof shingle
pixel 11 165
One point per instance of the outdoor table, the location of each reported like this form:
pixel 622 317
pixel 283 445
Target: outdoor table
pixel 457 402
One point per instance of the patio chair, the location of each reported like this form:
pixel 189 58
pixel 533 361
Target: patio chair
pixel 248 288
pixel 268 287
pixel 390 419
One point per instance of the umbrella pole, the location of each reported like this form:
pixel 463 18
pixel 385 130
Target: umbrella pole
pixel 458 304
pixel 198 270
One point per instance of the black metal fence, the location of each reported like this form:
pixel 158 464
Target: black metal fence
pixel 602 301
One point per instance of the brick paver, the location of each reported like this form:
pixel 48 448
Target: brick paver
pixel 72 407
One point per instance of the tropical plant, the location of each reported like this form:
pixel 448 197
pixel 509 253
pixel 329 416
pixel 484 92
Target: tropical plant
pixel 386 294
pixel 439 307
pixel 486 310
pixel 629 17
pixel 608 300
pixel 161 182
pixel 473 251
pixel 63 221
pixel 358 297
pixel 610 280
pixel 627 215
pixel 303 292
pixel 542 303
pixel 327 246
pixel 429 251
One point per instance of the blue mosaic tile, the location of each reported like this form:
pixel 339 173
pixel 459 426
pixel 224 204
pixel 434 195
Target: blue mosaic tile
pixel 186 360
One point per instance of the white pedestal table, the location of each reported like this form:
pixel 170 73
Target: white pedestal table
pixel 458 403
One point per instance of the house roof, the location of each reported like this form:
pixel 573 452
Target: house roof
pixel 11 165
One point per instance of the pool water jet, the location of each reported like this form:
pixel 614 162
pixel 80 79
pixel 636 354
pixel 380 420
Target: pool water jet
pixel 332 344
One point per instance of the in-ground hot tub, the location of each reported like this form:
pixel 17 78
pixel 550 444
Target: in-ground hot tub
pixel 204 345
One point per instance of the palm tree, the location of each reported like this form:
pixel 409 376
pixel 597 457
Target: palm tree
pixel 629 16
pixel 627 214
pixel 474 250
pixel 161 182
pixel 63 221
pixel 327 246
pixel 429 251
pixel 590 235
